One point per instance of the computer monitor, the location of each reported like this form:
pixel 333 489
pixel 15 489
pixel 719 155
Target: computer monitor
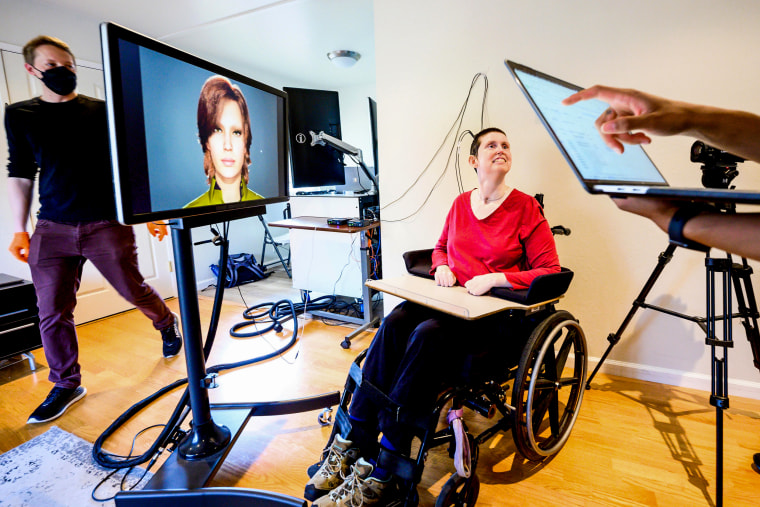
pixel 373 127
pixel 314 111
pixel 189 137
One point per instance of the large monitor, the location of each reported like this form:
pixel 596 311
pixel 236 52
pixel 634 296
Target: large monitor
pixel 189 137
pixel 314 111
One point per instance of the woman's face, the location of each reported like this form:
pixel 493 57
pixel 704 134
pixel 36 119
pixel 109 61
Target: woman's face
pixel 227 143
pixel 494 155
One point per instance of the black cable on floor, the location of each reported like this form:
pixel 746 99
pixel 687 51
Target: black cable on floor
pixel 171 435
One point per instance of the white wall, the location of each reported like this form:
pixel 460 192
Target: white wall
pixel 427 53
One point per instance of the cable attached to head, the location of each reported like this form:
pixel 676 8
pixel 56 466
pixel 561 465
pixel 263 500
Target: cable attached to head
pixel 455 129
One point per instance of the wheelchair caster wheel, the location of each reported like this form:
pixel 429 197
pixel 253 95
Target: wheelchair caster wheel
pixel 345 344
pixel 459 492
pixel 325 417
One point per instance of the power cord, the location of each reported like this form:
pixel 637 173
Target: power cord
pixel 123 486
pixel 171 434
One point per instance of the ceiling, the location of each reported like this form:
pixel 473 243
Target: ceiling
pixel 287 39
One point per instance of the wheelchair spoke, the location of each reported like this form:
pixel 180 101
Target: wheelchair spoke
pixel 546 399
pixel 554 415
pixel 545 385
pixel 539 408
pixel 550 365
pixel 569 381
pixel 563 353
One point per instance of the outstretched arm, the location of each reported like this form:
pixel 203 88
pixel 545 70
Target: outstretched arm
pixel 634 115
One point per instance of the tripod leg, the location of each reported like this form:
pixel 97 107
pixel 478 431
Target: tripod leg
pixel 662 261
pixel 719 350
pixel 745 299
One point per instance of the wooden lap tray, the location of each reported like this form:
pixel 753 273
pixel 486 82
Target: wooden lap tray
pixel 452 300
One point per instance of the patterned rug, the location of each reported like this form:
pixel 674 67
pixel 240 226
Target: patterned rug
pixel 56 469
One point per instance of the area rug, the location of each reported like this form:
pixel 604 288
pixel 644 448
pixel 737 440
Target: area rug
pixel 56 469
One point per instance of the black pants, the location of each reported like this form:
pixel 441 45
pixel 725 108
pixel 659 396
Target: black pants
pixel 418 351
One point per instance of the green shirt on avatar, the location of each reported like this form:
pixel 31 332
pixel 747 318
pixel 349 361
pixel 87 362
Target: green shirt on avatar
pixel 214 195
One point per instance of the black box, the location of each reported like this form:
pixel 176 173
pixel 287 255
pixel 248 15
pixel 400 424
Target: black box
pixel 19 321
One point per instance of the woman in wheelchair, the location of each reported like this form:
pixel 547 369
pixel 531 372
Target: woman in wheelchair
pixel 494 236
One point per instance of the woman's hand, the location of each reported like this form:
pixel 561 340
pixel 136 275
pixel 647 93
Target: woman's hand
pixel 481 284
pixel 444 276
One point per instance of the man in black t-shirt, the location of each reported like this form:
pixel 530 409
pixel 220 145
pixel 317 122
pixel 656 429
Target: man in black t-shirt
pixel 64 136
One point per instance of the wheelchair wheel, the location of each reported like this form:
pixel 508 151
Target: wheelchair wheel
pixel 548 386
pixel 459 492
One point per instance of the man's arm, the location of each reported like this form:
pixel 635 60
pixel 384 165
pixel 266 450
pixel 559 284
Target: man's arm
pixel 20 201
pixel 634 115
pixel 736 233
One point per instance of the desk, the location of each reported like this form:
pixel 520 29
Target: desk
pixel 324 255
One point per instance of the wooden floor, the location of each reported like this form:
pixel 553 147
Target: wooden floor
pixel 634 443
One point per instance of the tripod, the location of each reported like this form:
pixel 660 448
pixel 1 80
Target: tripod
pixel 731 274
pixel 718 170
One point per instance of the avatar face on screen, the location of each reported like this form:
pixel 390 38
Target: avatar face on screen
pixel 224 132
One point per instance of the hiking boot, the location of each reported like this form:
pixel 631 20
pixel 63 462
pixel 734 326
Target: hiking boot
pixel 56 403
pixel 172 338
pixel 360 489
pixel 334 469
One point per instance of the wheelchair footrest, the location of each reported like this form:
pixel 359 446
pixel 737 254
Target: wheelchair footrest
pixel 399 465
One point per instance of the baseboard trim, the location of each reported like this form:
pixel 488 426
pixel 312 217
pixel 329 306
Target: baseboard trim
pixel 205 284
pixel 736 387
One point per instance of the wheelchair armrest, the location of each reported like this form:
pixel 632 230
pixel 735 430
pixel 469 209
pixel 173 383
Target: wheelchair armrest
pixel 543 288
pixel 419 262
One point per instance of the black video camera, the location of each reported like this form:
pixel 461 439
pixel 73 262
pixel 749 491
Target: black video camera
pixel 718 166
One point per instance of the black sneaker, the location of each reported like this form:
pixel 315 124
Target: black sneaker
pixel 56 403
pixel 172 338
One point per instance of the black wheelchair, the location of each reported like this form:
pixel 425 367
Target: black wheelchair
pixel 546 385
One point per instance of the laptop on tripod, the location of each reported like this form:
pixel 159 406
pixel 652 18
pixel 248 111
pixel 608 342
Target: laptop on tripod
pixel 600 169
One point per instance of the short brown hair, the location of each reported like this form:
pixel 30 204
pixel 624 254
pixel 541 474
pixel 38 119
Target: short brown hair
pixel 41 40
pixel 215 91
pixel 475 146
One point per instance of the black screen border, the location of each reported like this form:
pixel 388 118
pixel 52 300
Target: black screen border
pixel 122 154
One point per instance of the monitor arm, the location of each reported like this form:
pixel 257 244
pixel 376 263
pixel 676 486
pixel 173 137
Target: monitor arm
pixel 345 148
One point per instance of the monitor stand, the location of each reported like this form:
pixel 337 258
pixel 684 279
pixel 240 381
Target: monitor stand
pixel 214 429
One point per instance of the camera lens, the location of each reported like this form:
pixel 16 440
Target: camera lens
pixel 697 151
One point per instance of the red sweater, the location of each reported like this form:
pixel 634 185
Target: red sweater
pixel 515 239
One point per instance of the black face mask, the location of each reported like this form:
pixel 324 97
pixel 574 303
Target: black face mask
pixel 59 80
